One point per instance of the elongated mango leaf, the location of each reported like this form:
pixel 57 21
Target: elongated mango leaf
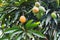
pixel 12 9
pixel 28 24
pixel 11 30
pixel 1 9
pixel 58 2
pixel 21 36
pixel 2 17
pixel 31 25
pixel 37 33
pixel 15 18
pixel 35 24
pixel 4 39
pixel 14 34
pixel 30 35
pixel 56 21
pixel 48 20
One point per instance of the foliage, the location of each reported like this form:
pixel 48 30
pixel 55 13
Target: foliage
pixel 39 26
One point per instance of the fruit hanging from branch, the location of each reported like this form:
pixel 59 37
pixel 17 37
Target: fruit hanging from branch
pixel 35 9
pixel 37 4
pixel 22 19
pixel 53 15
pixel 41 8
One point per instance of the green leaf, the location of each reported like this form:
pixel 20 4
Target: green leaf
pixel 17 3
pixel 28 24
pixel 1 9
pixel 57 2
pixel 21 1
pixel 40 14
pixel 0 1
pixel 2 17
pixel 21 36
pixel 30 35
pixel 16 17
pixel 55 20
pixel 55 35
pixel 37 33
pixel 48 20
pixel 35 24
pixel 11 30
pixel 12 9
pixel 14 34
pixel 31 25
pixel 4 39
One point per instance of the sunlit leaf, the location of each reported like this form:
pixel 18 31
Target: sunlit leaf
pixel 58 2
pixel 28 24
pixel 35 24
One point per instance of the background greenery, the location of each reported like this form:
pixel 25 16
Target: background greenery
pixel 38 27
